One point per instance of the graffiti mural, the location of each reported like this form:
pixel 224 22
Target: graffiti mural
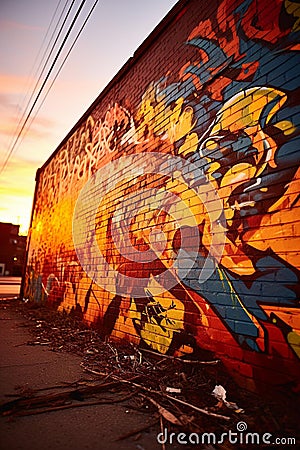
pixel 206 253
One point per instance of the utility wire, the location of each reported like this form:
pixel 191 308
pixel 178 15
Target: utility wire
pixel 52 35
pixel 32 69
pixel 41 73
pixel 44 40
pixel 43 85
pixel 62 64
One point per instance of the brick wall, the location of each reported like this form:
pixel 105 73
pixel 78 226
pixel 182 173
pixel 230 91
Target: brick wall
pixel 169 215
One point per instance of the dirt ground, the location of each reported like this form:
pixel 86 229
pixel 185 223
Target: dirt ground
pixel 174 396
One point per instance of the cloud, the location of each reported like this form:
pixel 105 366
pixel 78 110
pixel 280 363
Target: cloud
pixel 17 169
pixel 5 101
pixel 20 163
pixel 13 25
pixel 20 166
pixel 41 127
pixel 16 191
pixel 17 210
pixel 14 84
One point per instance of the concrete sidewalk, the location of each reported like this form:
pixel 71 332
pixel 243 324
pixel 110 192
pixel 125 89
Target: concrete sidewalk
pixel 90 427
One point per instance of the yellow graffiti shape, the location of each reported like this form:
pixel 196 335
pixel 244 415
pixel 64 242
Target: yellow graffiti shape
pixel 167 318
pixel 172 123
pixel 182 124
pixel 293 339
pixel 190 144
pixel 293 8
pixel 245 108
pixel 243 113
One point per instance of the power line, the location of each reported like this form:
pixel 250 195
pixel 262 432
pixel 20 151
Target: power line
pixel 52 35
pixel 43 69
pixel 63 62
pixel 43 85
pixel 36 71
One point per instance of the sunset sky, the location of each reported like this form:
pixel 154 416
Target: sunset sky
pixel 114 31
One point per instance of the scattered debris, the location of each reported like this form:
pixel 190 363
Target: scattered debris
pixel 169 389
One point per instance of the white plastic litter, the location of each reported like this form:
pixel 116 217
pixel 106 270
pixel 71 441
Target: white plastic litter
pixel 220 393
pixel 173 390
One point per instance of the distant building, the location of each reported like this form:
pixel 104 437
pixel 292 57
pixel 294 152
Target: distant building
pixel 12 250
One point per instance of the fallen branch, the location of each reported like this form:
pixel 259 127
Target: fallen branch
pixel 163 445
pixel 187 361
pixel 25 392
pixel 73 405
pixel 203 411
pixel 164 412
pixel 94 372
pixel 74 394
pixel 38 343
